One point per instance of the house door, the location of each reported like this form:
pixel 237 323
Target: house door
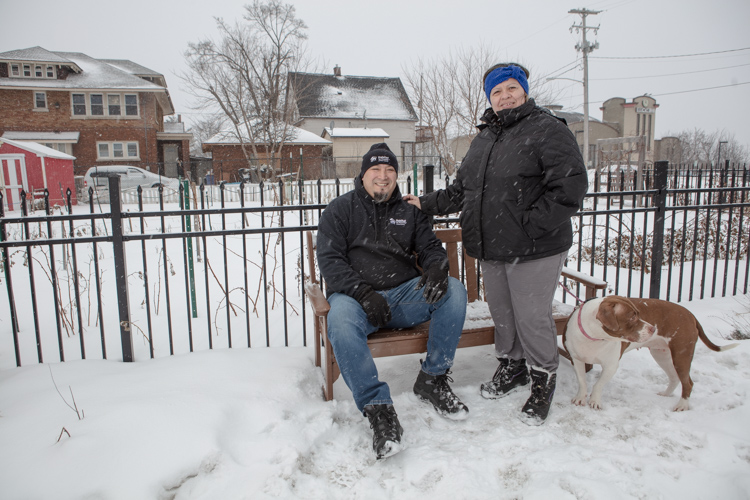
pixel 170 161
pixel 13 179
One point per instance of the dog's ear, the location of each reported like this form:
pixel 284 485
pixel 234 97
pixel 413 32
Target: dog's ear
pixel 607 316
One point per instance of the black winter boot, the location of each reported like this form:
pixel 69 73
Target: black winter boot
pixel 510 375
pixel 535 411
pixel 386 437
pixel 435 389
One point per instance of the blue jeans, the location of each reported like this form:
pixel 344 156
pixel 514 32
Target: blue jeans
pixel 348 329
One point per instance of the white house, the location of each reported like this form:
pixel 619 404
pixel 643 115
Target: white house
pixel 337 101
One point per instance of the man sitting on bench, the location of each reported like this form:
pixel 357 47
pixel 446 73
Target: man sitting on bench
pixel 367 241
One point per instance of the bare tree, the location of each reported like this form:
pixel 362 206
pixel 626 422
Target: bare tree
pixel 699 146
pixel 450 95
pixel 243 75
pixel 203 129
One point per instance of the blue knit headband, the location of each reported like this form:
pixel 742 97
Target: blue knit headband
pixel 499 75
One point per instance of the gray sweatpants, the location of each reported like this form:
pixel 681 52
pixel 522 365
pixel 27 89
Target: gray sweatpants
pixel 520 297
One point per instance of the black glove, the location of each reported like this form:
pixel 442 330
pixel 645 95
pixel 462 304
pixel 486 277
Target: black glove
pixel 435 283
pixel 377 308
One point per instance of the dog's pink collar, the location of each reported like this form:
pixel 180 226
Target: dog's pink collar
pixel 580 325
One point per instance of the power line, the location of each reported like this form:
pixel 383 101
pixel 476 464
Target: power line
pixel 680 55
pixel 699 90
pixel 680 92
pixel 670 74
pixel 571 66
pixel 536 33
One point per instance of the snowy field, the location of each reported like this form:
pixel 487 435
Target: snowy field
pixel 251 423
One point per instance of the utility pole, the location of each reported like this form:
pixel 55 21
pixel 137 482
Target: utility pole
pixel 585 47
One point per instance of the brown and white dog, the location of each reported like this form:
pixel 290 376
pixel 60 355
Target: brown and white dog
pixel 603 329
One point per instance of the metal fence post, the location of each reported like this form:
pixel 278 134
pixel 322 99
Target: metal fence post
pixel 427 179
pixel 9 283
pixel 121 270
pixel 660 203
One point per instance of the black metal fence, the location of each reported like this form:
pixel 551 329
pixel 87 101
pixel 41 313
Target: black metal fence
pixel 167 279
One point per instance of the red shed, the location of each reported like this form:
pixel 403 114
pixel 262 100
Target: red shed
pixel 33 167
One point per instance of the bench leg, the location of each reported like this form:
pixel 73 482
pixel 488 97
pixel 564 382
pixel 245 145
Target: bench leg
pixel 330 371
pixel 330 368
pixel 318 323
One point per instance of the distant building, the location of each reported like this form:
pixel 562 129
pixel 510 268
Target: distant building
pixel 101 111
pixel 228 156
pixel 620 120
pixel 335 101
pixel 349 145
pixel 32 168
pixel 597 129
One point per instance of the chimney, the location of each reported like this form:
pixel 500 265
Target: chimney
pixel 336 70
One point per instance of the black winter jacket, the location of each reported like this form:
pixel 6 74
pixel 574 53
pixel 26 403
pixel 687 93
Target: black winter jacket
pixel 520 183
pixel 362 244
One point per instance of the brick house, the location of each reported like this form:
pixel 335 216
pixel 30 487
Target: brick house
pixel 102 111
pixel 228 157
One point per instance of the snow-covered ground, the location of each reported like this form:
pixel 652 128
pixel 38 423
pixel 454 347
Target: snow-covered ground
pixel 251 423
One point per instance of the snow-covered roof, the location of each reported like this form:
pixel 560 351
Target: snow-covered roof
pixel 351 97
pixel 355 132
pixel 88 73
pixel 38 149
pixel 34 54
pixel 70 137
pixel 301 137
pixel 137 70
pixel 572 116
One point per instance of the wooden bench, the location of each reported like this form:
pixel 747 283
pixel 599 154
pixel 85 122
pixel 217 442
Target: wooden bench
pixel 392 342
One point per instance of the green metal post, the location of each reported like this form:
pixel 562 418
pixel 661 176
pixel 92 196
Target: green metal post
pixel 414 176
pixel 188 227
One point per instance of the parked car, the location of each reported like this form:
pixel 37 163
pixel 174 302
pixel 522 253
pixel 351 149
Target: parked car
pixel 130 178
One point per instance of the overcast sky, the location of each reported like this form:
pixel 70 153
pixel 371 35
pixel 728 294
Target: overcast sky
pixel 365 38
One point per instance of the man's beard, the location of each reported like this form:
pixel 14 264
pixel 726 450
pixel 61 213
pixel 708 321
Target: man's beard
pixel 381 197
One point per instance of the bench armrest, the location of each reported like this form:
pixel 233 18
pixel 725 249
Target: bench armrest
pixel 320 305
pixel 584 279
pixel 590 283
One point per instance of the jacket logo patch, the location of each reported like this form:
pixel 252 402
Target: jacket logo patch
pixel 398 222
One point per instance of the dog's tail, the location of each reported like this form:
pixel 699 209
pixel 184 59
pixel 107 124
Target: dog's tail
pixel 710 344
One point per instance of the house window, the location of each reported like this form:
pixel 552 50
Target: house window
pixel 109 150
pixel 79 104
pixel 131 105
pixel 97 104
pixel 32 70
pixel 40 100
pixel 60 146
pixel 103 105
pixel 113 100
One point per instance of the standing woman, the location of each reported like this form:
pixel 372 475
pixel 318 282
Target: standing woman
pixel 520 183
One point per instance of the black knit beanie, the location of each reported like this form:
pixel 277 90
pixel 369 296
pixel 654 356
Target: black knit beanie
pixel 379 154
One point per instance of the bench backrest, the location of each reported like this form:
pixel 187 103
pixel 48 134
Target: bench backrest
pixel 458 261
